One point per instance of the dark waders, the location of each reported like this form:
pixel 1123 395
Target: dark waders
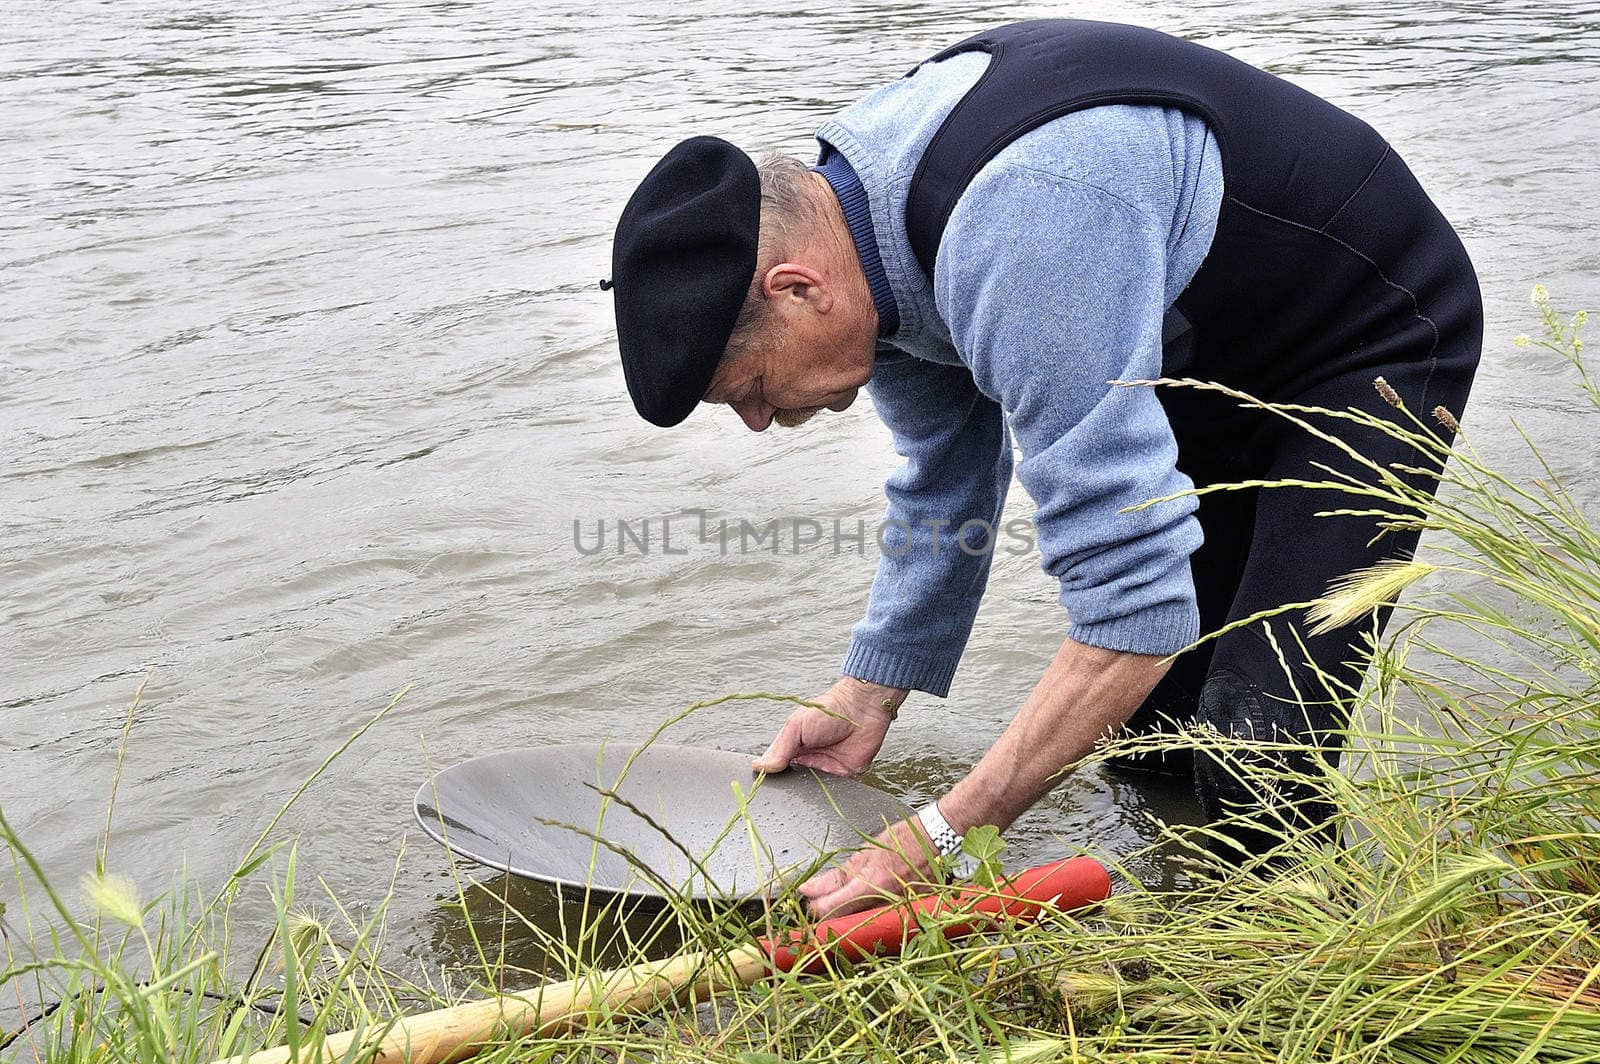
pixel 1330 267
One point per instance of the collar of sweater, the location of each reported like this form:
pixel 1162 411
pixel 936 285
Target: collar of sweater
pixel 841 176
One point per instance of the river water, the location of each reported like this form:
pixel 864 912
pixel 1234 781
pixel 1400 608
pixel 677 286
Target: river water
pixel 304 379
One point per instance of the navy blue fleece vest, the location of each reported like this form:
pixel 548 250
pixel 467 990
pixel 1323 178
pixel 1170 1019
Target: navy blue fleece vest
pixel 1311 271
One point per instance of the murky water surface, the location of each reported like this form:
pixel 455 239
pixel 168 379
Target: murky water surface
pixel 304 378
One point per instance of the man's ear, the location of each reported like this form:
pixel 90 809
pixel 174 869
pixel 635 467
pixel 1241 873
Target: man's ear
pixel 799 282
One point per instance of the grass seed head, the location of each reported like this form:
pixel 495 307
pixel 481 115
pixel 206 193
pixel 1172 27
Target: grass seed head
pixel 1386 390
pixel 1356 596
pixel 115 897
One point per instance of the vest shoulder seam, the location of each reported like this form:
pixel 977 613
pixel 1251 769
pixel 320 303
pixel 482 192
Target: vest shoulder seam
pixel 1416 304
pixel 1351 198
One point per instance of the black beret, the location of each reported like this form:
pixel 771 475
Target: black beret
pixel 682 261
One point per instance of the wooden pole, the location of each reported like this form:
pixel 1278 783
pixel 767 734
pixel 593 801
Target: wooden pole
pixel 460 1031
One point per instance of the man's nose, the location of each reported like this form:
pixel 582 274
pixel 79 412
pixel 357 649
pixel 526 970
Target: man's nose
pixel 756 414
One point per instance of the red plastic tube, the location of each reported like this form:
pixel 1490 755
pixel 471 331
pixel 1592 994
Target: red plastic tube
pixel 1067 884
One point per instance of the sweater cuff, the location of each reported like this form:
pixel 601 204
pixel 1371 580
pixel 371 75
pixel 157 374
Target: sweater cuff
pixel 1157 631
pixel 894 669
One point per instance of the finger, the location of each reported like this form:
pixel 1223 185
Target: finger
pixel 824 883
pixel 849 888
pixel 824 763
pixel 853 897
pixel 782 750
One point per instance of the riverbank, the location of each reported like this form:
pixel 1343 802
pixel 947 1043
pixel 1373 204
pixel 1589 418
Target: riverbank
pixel 1457 923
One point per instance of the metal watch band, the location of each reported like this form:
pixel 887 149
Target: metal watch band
pixel 945 839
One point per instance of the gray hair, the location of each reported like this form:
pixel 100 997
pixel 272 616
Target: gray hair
pixel 789 213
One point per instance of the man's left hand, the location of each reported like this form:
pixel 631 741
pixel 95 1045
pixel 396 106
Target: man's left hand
pixel 874 875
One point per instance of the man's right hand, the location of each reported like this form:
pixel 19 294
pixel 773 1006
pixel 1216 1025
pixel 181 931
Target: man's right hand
pixel 841 740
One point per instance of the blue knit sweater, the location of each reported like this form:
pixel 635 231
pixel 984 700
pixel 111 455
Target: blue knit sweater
pixel 1052 279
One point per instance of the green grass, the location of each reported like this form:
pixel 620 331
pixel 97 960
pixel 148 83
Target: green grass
pixel 1457 922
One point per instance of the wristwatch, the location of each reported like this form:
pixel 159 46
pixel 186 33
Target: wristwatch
pixel 946 840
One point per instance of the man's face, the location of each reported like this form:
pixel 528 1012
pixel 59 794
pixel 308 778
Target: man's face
pixel 799 367
pixel 814 351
